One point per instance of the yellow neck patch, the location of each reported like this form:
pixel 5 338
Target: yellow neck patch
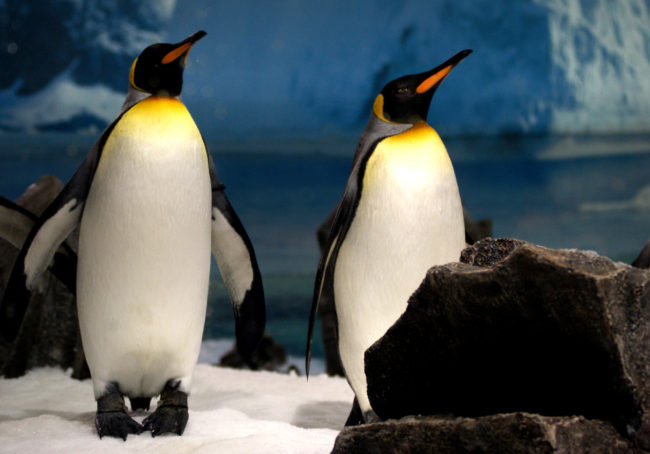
pixel 162 122
pixel 414 154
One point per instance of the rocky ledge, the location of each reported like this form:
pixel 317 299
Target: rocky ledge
pixel 513 433
pixel 515 328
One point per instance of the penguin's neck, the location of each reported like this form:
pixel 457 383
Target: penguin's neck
pixel 410 157
pixel 134 96
pixel 156 127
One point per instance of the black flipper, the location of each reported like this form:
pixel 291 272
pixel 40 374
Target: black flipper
pixel 235 256
pixel 59 219
pixel 15 225
pixel 375 131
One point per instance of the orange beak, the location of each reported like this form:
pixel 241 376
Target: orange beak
pixel 438 74
pixel 183 47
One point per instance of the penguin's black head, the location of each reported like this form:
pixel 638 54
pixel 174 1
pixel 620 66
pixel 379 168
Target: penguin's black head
pixel 407 99
pixel 159 68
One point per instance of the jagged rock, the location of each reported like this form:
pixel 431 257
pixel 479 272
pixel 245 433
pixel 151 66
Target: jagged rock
pixel 49 334
pixel 40 194
pixel 269 356
pixel 474 231
pixel 517 327
pixel 514 433
pixel 643 259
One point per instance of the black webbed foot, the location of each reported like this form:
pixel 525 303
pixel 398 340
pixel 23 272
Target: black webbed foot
pixel 355 417
pixel 112 419
pixel 370 417
pixel 171 415
pixel 116 424
pixel 358 417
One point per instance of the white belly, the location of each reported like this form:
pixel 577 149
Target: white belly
pixel 408 220
pixel 144 261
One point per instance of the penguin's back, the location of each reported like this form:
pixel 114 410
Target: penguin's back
pixel 144 250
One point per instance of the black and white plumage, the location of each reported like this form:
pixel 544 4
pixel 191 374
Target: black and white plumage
pixel 400 214
pixel 150 208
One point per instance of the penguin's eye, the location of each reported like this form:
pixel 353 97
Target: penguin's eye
pixel 403 91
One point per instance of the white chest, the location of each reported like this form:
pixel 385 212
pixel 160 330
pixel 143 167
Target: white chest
pixel 409 218
pixel 144 257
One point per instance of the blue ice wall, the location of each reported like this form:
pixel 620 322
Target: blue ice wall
pixel 294 68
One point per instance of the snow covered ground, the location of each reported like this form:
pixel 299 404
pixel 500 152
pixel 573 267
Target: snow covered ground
pixel 231 411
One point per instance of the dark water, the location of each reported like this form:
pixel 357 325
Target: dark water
pixel 585 193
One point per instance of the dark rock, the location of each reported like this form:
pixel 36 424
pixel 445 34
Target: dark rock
pixel 476 230
pixel 40 194
pixel 269 356
pixel 643 259
pixel 506 433
pixel 49 334
pixel 518 327
pixel 486 253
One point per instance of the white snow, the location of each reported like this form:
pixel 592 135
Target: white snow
pixel 231 411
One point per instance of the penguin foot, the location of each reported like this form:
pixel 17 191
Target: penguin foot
pixel 116 424
pixel 111 419
pixel 358 417
pixel 370 417
pixel 167 419
pixel 355 417
pixel 171 415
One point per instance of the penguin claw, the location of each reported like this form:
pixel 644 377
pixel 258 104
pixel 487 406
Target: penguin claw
pixel 116 424
pixel 167 419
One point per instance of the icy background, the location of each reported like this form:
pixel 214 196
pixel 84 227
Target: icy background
pixel 293 68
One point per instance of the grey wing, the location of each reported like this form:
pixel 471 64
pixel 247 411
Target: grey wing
pixel 56 223
pixel 374 132
pixel 237 263
pixel 343 216
pixel 325 274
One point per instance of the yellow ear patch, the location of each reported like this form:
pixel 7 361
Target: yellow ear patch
pixel 132 75
pixel 378 108
pixel 432 80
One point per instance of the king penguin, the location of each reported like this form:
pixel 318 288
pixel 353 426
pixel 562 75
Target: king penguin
pixel 150 209
pixel 400 214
